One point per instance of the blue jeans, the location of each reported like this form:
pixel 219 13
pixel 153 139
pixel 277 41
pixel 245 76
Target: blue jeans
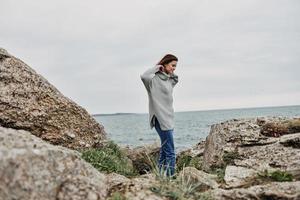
pixel 167 156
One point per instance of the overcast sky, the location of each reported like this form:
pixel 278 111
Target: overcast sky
pixel 231 53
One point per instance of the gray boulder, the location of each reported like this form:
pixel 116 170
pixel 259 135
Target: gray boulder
pixel 143 157
pixel 242 139
pixel 238 176
pixel 29 102
pixel 202 180
pixel 32 169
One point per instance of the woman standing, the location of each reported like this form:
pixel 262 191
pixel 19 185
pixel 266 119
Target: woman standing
pixel 159 82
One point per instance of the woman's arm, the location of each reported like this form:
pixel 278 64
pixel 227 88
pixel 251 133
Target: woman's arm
pixel 148 75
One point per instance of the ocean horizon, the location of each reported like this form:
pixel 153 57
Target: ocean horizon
pixel 127 113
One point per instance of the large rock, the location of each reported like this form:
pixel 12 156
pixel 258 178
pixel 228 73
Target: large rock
pixel 271 157
pixel 226 136
pixel 274 190
pixel 195 151
pixel 28 101
pixel 291 140
pixel 139 188
pixel 134 189
pixel 202 180
pixel 242 139
pixel 33 169
pixel 115 182
pixel 246 157
pixel 144 158
pixel 238 176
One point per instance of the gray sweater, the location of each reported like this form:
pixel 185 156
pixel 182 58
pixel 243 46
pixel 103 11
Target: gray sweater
pixel 159 86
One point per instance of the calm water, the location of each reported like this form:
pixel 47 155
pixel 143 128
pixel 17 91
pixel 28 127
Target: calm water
pixel 190 127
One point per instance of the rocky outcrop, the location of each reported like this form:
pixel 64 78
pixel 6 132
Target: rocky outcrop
pixel 29 102
pixel 115 182
pixel 291 140
pixel 275 190
pixel 31 168
pixel 257 158
pixel 194 151
pixel 252 149
pixel 140 188
pixel 143 157
pixel 134 189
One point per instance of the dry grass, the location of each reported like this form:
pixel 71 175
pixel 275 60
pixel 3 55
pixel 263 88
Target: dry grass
pixel 277 129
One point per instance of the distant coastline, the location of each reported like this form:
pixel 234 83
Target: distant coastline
pixel 219 109
pixel 95 115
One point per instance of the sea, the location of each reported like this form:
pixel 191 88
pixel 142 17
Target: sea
pixel 133 129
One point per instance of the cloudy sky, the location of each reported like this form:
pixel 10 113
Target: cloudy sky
pixel 231 53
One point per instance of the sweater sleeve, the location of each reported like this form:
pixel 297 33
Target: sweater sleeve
pixel 148 75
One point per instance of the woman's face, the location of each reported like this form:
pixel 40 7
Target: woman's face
pixel 170 67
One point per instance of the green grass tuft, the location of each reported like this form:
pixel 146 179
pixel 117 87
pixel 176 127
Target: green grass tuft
pixel 228 157
pixel 189 161
pixel 109 159
pixel 219 170
pixel 117 196
pixel 277 175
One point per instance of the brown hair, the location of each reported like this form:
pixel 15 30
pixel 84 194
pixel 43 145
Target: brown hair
pixel 167 59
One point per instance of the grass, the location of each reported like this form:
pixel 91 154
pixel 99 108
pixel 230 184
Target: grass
pixel 218 170
pixel 277 175
pixel 117 196
pixel 109 159
pixel 277 129
pixel 294 125
pixel 229 156
pixel 183 161
pixel 228 159
pixel 175 187
pixel 189 161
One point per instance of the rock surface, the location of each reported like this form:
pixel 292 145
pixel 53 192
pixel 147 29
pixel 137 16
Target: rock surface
pixel 33 169
pixel 194 151
pixel 249 156
pixel 139 188
pixel 254 150
pixel 134 189
pixel 275 190
pixel 115 182
pixel 143 157
pixel 204 181
pixel 238 176
pixel 29 102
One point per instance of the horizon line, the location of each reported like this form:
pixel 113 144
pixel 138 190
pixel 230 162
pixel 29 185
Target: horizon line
pixel 128 113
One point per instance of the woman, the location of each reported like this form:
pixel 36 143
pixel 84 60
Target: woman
pixel 159 82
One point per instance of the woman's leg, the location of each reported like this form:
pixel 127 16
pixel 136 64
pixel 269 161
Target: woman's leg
pixel 170 153
pixel 162 155
pixel 167 158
